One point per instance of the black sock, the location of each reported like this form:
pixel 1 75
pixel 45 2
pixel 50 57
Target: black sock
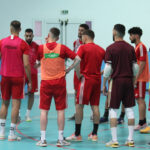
pixel 95 129
pixel 140 122
pixel 122 115
pixel 144 121
pixel 77 129
pixel 106 113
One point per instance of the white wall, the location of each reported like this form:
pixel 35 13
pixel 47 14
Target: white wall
pixel 103 13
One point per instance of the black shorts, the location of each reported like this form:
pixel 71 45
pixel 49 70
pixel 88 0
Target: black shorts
pixel 121 90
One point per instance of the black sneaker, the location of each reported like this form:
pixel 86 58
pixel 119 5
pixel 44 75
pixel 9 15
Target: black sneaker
pixel 120 120
pixel 103 120
pixel 72 118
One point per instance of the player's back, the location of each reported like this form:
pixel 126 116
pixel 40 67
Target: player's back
pixel 121 55
pixel 92 58
pixel 12 57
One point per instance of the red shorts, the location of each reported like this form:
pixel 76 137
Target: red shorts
pixel 140 90
pixel 76 82
pixel 89 92
pixel 53 88
pixel 34 80
pixel 12 87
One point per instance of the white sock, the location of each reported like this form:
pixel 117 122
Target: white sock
pixel 12 129
pixel 43 135
pixel 131 132
pixel 2 126
pixel 28 112
pixel 114 134
pixel 60 135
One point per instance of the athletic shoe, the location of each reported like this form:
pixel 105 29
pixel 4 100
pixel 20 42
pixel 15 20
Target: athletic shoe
pixel 120 120
pixel 112 144
pixel 42 143
pixel 28 119
pixel 14 138
pixel 129 143
pixel 72 118
pixel 103 120
pixel 74 138
pixel 146 130
pixel 62 143
pixel 139 127
pixel 93 137
pixel 2 136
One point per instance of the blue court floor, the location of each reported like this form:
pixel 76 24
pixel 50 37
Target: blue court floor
pixel 30 131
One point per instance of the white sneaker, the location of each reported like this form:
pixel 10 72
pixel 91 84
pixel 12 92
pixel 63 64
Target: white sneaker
pixel 62 143
pixel 112 144
pixel 28 119
pixel 14 138
pixel 42 143
pixel 74 138
pixel 2 136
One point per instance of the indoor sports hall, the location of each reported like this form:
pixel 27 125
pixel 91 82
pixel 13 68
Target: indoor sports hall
pixel 67 16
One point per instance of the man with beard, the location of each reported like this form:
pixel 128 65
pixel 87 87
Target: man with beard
pixel 76 45
pixel 32 58
pixel 143 75
pixel 121 66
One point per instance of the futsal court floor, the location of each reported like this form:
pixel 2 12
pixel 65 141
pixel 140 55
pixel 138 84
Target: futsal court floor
pixel 30 131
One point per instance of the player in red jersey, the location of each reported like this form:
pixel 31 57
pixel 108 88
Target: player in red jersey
pixel 142 76
pixel 89 74
pixel 32 58
pixel 76 45
pixel 14 57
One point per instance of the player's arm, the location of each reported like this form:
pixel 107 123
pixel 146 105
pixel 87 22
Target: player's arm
pixel 68 53
pixel 107 69
pixel 141 55
pixel 135 69
pixel 27 70
pixel 77 69
pixel 39 56
pixel 107 73
pixel 141 68
pixel 25 50
pixel 75 64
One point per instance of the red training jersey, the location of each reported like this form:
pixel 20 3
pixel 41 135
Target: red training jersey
pixel 91 56
pixel 12 49
pixel 33 56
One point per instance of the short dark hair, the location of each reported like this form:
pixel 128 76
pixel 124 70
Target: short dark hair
pixel 29 30
pixel 120 29
pixel 136 30
pixel 16 25
pixel 55 32
pixel 89 33
pixel 85 26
